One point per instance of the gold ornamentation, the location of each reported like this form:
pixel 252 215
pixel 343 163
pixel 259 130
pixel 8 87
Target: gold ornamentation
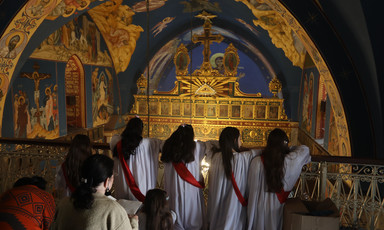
pixel 275 86
pixel 142 85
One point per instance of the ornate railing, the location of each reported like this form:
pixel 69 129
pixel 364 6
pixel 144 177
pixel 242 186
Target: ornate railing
pixel 356 186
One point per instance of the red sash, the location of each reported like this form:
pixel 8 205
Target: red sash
pixel 243 201
pixel 186 175
pixel 128 175
pixel 69 185
pixel 282 195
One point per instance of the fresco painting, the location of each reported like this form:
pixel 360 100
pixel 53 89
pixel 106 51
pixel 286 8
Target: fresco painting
pixel 102 86
pixel 79 36
pixel 307 104
pixel 30 122
pixel 114 21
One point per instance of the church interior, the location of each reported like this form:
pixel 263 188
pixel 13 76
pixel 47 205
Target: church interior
pixel 312 68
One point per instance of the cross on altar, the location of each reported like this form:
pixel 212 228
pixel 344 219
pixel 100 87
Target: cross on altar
pixel 36 77
pixel 207 38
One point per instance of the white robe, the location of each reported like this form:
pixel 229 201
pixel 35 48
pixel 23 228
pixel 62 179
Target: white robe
pixel 143 165
pixel 185 199
pixel 61 187
pixel 264 209
pixel 224 208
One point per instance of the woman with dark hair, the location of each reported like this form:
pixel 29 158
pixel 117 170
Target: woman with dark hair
pixel 136 161
pixel 228 174
pixel 27 205
pixel 68 175
pixel 271 178
pixel 183 181
pixel 89 207
pixel 155 214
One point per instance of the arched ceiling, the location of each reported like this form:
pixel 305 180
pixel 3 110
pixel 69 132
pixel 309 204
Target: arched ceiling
pixel 303 25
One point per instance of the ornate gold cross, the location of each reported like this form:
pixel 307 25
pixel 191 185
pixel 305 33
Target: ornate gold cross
pixel 207 38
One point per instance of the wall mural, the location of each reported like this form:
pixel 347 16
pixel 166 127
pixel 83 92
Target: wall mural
pixel 102 86
pixel 35 112
pixel 68 7
pixel 161 25
pixel 79 36
pixel 141 7
pixel 114 20
pixel 307 106
pixel 280 32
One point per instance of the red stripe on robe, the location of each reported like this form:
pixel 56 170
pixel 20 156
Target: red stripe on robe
pixel 186 175
pixel 128 175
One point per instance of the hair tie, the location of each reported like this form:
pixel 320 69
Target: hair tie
pixel 84 180
pixel 137 116
pixel 183 124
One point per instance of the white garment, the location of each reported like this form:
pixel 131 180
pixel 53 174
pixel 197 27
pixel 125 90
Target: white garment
pixel 143 164
pixel 224 208
pixel 185 199
pixel 264 209
pixel 61 187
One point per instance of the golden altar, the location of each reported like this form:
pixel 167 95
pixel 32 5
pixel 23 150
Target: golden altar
pixel 210 100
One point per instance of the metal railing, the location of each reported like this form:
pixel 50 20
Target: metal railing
pixel 356 186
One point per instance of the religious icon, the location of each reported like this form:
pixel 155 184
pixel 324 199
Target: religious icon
pixel 216 61
pixel 273 112
pixel 176 109
pixel 165 108
pixel 248 111
pixel 199 110
pixel 260 112
pixel 223 111
pixel 153 108
pixel 12 44
pixel 211 110
pixel 235 110
pixel 142 107
pixel 187 109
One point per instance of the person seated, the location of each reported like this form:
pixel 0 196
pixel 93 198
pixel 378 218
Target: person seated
pixel 155 214
pixel 89 207
pixel 27 205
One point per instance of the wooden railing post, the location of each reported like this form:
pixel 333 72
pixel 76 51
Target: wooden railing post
pixel 323 179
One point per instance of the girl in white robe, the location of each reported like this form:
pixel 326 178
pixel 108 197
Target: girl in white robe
pixel 271 177
pixel 141 156
pixel 181 152
pixel 225 210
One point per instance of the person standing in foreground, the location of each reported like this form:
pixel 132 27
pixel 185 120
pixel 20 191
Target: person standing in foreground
pixel 228 174
pixel 68 174
pixel 271 178
pixel 89 207
pixel 136 162
pixel 27 205
pixel 182 178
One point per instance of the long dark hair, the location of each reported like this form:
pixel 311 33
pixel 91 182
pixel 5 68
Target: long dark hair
pixel 274 155
pixel 157 210
pixel 228 142
pixel 96 169
pixel 180 146
pixel 131 137
pixel 79 150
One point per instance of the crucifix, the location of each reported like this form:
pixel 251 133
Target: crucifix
pixel 36 77
pixel 207 38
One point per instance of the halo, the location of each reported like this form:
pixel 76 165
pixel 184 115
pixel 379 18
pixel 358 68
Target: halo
pixel 13 34
pixel 21 97
pixel 47 91
pixel 213 58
